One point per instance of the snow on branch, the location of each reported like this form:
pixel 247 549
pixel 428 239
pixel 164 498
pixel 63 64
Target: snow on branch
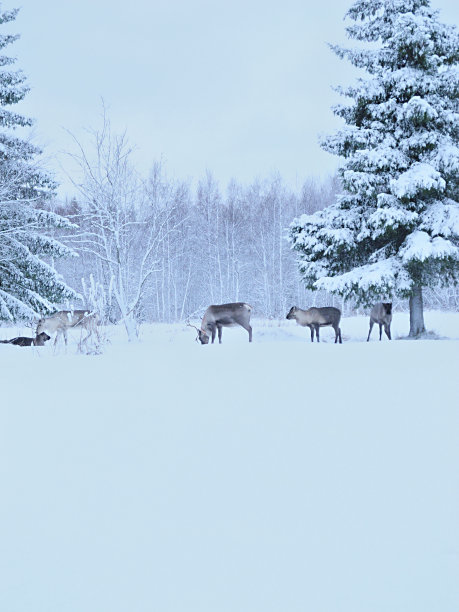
pixel 420 177
pixel 419 109
pixel 447 157
pixel 419 246
pixel 380 278
pixel 441 219
pixel 393 217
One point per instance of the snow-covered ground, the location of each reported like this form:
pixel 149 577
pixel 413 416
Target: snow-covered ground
pixel 277 476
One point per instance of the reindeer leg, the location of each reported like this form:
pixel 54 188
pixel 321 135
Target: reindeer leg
pixel 371 327
pixel 317 333
pixel 213 333
pixel 248 329
pixel 387 330
pixel 220 330
pixel 90 328
pixel 380 331
pixel 312 333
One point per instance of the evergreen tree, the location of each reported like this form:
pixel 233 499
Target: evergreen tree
pixel 28 285
pixel 395 227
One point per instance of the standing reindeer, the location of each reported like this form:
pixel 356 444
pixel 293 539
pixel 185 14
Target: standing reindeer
pixel 317 317
pixel 381 314
pixel 61 321
pixel 223 315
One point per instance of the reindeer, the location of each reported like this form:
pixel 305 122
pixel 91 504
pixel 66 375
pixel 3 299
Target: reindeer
pixel 223 315
pixel 381 314
pixel 317 317
pixel 39 340
pixel 63 320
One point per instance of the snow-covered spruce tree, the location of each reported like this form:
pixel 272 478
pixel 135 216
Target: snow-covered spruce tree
pixel 28 285
pixel 395 227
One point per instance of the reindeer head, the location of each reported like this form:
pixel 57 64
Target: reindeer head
pixel 41 338
pixel 292 313
pixel 202 336
pixel 388 307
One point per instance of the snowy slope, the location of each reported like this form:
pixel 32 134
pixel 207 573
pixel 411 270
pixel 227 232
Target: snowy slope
pixel 281 475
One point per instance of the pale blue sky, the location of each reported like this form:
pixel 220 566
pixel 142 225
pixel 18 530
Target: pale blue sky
pixel 242 88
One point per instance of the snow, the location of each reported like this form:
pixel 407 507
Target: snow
pixel 442 218
pixel 384 274
pixel 278 475
pixel 447 156
pixel 420 176
pixel 420 246
pixel 417 107
pixel 382 217
pixel 384 157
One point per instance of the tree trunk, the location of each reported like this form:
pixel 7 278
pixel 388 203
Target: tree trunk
pixel 130 325
pixel 416 313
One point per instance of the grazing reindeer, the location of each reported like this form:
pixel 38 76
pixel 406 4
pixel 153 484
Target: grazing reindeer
pixel 223 315
pixel 63 320
pixel 39 340
pixel 317 317
pixel 381 314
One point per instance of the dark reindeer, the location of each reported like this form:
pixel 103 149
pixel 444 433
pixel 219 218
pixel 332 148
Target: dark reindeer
pixel 223 315
pixel 39 340
pixel 317 317
pixel 381 314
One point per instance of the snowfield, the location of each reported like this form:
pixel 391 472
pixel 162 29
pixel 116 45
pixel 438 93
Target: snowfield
pixel 274 476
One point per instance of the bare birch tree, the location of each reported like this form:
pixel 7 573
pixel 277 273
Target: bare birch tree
pixel 122 227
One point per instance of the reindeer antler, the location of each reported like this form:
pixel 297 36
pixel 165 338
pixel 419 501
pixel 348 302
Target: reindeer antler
pixel 198 330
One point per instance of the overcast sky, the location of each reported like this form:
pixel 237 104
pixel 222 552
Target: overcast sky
pixel 240 87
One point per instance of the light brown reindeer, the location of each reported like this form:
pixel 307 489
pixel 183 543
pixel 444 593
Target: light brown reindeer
pixel 314 318
pixel 60 322
pixel 223 315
